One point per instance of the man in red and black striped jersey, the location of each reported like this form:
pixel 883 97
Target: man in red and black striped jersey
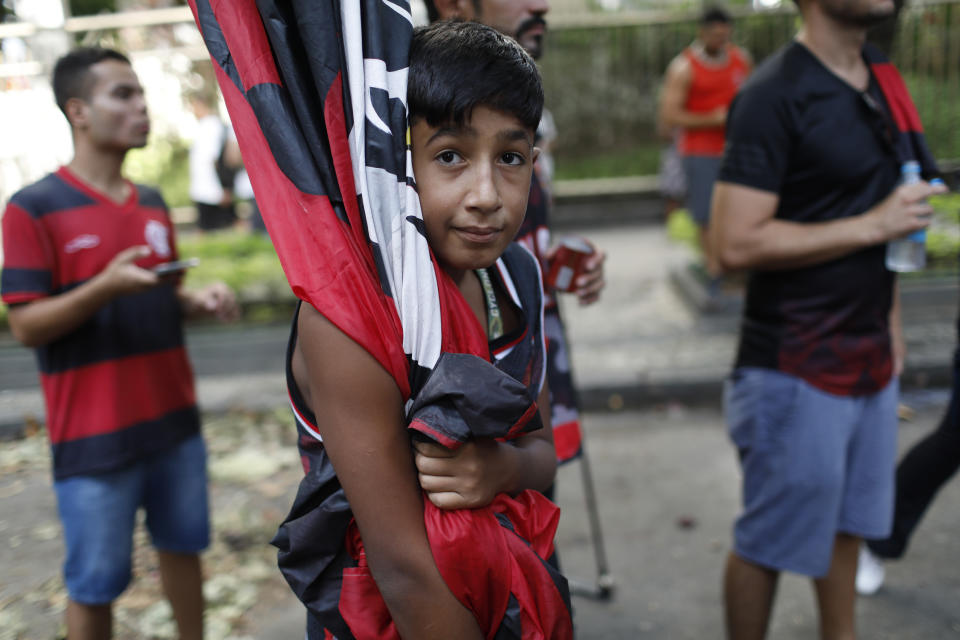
pixel 79 250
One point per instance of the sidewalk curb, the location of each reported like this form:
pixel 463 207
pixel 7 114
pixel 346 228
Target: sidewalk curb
pixel 707 392
pixel 695 391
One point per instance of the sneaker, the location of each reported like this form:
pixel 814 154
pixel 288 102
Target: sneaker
pixel 870 572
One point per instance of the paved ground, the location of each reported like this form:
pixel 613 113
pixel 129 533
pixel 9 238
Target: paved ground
pixel 665 474
pixel 658 472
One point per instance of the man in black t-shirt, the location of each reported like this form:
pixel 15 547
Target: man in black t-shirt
pixel 806 200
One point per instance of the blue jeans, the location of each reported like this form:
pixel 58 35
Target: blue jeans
pixel 814 465
pixel 98 513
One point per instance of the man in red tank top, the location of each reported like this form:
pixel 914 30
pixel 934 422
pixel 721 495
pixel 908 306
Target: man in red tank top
pixel 700 83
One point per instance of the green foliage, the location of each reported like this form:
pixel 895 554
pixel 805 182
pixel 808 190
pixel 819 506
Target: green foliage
pixel 943 237
pixel 936 101
pixel 164 163
pixel 947 207
pixel 92 7
pixel 642 160
pixel 602 85
pixel 247 262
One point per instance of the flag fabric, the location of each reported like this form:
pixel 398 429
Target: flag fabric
pixel 909 141
pixel 317 96
pixel 534 234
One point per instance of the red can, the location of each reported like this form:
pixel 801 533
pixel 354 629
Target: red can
pixel 568 263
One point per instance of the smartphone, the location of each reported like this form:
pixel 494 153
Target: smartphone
pixel 166 268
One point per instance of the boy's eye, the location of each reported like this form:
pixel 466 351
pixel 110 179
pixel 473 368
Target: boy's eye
pixel 448 157
pixel 513 158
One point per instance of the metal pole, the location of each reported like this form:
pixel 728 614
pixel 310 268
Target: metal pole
pixel 602 589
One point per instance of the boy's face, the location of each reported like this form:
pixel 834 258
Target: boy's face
pixel 114 114
pixel 473 183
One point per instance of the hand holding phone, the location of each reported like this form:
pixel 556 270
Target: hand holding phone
pixel 166 268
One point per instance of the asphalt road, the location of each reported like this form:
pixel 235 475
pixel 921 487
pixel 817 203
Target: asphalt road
pixel 667 484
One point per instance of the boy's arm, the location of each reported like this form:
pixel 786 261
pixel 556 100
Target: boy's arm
pixel 474 474
pixel 43 320
pixel 365 436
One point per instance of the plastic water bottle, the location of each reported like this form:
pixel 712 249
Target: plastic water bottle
pixel 910 252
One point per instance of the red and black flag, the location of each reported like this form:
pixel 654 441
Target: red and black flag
pixel 317 95
pixel 906 135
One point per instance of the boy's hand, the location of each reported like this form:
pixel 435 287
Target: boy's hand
pixel 467 478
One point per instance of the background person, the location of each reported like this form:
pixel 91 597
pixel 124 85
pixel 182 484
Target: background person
pixel 121 412
pixel 806 199
pixel 215 162
pixel 921 474
pixel 699 85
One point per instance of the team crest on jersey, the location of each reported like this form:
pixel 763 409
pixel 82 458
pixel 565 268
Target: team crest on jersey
pixel 158 238
pixel 84 241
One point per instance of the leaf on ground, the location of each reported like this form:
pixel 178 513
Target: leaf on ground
pixel 246 465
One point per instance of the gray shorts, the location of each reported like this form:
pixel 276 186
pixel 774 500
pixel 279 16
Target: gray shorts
pixel 814 465
pixel 673 180
pixel 701 172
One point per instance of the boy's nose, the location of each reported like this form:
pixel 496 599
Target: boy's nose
pixel 484 194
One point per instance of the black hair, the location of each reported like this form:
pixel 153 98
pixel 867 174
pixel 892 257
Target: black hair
pixel 458 66
pixel 433 15
pixel 714 15
pixel 71 75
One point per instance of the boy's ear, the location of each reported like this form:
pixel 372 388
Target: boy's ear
pixel 534 155
pixel 460 9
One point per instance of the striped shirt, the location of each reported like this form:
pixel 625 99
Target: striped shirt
pixel 118 387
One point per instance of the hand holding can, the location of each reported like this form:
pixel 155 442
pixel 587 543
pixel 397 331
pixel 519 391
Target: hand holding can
pixel 568 263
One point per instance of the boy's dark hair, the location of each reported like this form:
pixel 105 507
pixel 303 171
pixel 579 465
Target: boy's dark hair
pixel 458 66
pixel 714 15
pixel 71 75
pixel 433 15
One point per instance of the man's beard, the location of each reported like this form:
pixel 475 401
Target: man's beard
pixel 535 21
pixel 845 12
